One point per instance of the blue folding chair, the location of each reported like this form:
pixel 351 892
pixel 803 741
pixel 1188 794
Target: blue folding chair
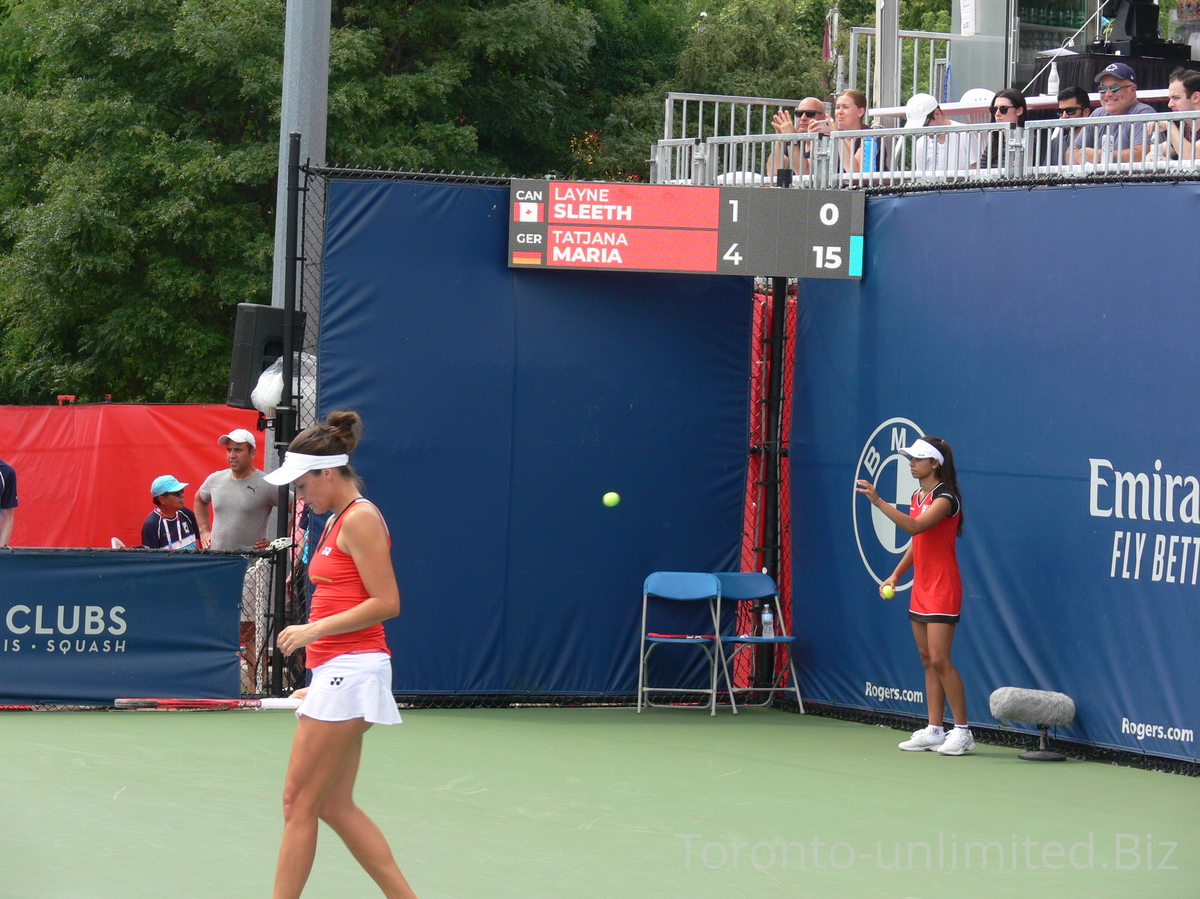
pixel 680 587
pixel 751 586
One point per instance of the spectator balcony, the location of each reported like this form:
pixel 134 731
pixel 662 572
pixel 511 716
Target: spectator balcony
pixel 727 140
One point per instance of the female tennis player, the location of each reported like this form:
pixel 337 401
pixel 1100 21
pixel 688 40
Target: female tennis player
pixel 351 667
pixel 934 520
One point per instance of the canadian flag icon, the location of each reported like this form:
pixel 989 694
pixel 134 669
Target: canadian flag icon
pixel 529 212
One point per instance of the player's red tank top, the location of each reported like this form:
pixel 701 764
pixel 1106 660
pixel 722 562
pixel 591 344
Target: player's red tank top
pixel 937 585
pixel 339 587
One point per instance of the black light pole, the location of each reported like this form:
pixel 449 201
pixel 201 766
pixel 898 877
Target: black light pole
pixel 285 412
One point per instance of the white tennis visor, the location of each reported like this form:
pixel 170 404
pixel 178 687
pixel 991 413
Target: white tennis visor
pixel 296 464
pixel 920 449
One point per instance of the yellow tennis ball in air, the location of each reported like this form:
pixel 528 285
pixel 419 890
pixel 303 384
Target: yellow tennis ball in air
pixel 611 499
pixel 888 591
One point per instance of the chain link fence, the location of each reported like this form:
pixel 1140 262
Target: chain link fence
pixel 257 630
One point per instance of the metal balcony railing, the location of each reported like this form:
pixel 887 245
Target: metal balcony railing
pixel 1157 144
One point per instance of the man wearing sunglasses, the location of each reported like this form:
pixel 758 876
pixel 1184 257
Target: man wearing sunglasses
pixel 171 525
pixel 1118 97
pixel 1074 105
pixel 809 117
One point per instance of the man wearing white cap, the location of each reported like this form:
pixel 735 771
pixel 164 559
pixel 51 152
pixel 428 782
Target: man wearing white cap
pixel 233 505
pixel 945 152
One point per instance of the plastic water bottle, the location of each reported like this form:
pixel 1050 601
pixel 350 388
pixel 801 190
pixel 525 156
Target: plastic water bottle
pixel 768 622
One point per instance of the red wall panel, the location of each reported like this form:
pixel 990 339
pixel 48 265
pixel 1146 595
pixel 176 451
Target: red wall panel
pixel 84 472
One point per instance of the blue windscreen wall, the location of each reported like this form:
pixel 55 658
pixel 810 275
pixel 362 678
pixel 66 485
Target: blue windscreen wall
pixel 1051 337
pixel 499 407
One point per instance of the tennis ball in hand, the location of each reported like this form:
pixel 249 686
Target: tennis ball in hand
pixel 888 591
pixel 611 499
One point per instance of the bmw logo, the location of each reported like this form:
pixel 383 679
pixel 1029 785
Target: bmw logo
pixel 880 542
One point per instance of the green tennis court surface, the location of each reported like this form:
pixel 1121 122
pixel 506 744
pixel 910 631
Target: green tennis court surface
pixel 557 803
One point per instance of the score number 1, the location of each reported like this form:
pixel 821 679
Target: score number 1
pixel 828 257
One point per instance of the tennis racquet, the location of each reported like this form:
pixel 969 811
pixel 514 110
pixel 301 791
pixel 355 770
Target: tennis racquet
pixel 266 703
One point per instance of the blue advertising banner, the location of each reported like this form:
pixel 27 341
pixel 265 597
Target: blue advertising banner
pixel 1064 382
pixel 89 627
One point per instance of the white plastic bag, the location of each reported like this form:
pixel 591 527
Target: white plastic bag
pixel 267 392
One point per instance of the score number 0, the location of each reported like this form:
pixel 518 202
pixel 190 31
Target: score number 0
pixel 827 257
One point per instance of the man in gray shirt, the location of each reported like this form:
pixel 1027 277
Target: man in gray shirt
pixel 238 497
pixel 233 507
pixel 1114 143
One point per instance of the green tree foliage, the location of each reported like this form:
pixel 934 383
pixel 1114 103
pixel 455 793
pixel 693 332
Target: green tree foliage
pixel 484 86
pixel 138 149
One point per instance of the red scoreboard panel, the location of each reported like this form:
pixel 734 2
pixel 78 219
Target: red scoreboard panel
pixel 765 231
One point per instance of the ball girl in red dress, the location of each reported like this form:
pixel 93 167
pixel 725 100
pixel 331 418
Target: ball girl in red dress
pixel 935 521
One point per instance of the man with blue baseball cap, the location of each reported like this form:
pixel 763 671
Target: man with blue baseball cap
pixel 1118 97
pixel 171 525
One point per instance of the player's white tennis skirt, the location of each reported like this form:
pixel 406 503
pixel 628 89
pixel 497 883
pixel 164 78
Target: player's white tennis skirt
pixel 354 685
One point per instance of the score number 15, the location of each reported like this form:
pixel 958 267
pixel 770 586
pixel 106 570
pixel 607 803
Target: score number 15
pixel 828 257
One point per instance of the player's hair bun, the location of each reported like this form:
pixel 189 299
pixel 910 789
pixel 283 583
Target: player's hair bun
pixel 339 433
pixel 344 428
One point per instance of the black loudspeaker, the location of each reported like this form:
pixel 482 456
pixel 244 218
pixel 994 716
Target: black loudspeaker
pixel 257 343
pixel 1132 19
